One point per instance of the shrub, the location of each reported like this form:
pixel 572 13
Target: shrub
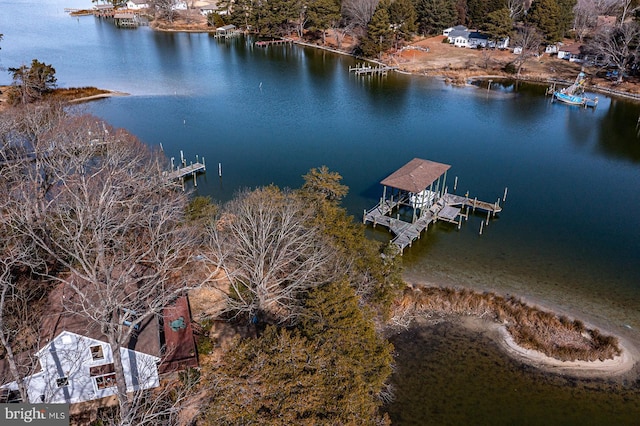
pixel 510 68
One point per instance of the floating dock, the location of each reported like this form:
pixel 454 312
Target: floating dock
pixel 418 198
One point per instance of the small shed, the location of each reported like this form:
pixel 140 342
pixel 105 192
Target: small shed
pixel 225 30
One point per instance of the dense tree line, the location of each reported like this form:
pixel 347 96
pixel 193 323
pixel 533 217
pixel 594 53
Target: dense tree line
pixel 378 25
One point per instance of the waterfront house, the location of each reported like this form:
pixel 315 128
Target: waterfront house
pixel 75 363
pixel 572 52
pixel 459 37
pixel 137 4
pixel 179 5
pixel 447 31
pixel 552 48
pixel 76 368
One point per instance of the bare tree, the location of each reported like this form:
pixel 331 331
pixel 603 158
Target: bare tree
pixel 627 9
pixel 273 254
pixel 585 17
pixel 618 46
pixel 516 9
pixel 164 9
pixel 359 12
pixel 529 39
pixel 115 226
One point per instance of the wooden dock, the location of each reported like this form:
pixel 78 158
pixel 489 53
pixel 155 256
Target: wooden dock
pixel 418 198
pixel 365 69
pixel 190 170
pixel 266 43
pixel 448 208
pixel 184 171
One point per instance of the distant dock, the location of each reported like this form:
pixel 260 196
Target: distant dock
pixel 418 197
pixel 266 43
pixel 365 69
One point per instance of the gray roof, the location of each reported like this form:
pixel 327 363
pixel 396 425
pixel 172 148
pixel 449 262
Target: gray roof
pixel 416 175
pixel 459 33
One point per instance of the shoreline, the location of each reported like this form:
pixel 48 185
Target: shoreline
pixel 110 94
pixel 623 365
pixel 618 366
pixel 448 74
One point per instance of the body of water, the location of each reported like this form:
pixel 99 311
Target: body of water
pixel 569 235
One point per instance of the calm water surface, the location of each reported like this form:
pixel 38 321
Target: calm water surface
pixel 568 237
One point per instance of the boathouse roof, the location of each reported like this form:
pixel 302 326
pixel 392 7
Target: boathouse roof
pixel 416 175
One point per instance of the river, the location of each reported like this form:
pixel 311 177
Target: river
pixel 568 238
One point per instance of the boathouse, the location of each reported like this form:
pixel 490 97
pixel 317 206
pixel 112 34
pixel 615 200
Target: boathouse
pixel 416 195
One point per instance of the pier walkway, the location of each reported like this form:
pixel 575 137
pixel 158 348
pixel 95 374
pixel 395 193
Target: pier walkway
pixel 418 186
pixel 364 69
pixel 265 43
pixel 184 171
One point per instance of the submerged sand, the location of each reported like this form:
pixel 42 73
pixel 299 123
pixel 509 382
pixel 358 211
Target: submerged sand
pixel 618 366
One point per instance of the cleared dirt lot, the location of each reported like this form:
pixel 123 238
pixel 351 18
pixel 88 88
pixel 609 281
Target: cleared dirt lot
pixel 433 57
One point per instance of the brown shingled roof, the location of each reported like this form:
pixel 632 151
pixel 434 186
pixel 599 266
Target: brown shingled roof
pixel 416 175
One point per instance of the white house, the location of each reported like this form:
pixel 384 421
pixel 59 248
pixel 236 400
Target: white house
pixel 204 11
pixel 179 5
pixel 459 37
pixel 76 368
pixel 551 48
pixel 572 53
pixel 137 4
pixel 456 28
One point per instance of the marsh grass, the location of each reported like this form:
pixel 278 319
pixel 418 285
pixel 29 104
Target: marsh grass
pixel 557 336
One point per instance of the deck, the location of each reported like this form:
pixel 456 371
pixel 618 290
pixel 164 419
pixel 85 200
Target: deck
pixel 447 208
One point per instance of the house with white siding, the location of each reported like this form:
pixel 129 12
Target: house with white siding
pixel 76 368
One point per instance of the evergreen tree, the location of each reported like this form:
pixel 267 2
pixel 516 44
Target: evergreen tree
pixel 377 280
pixel 566 16
pixel 331 370
pixel 31 83
pixel 478 10
pixel 359 360
pixel 324 184
pixel 402 16
pixel 379 35
pixel 498 24
pixel 323 14
pixel 435 15
pixel 545 15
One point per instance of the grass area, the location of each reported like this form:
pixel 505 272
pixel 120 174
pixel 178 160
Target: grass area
pixel 554 335
pixel 72 93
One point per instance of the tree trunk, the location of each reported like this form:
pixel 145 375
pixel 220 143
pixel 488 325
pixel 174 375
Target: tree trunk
pixel 121 384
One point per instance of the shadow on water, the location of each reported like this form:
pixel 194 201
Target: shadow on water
pixel 619 132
